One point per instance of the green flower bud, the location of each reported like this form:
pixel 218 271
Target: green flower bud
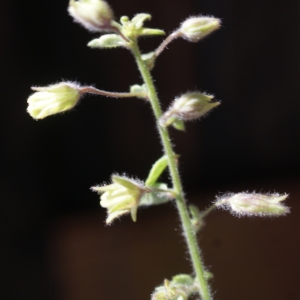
pixel 135 28
pixel 149 59
pixel 94 15
pixel 139 90
pixel 253 204
pixel 53 99
pixel 187 107
pixel 196 28
pixel 121 197
pixel 108 41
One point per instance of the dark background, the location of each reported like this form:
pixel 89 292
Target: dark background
pixel 53 241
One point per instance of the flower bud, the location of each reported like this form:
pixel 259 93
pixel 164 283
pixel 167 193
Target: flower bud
pixel 187 107
pixel 181 287
pixel 53 99
pixel 196 28
pixel 134 28
pixel 121 197
pixel 107 41
pixel 94 15
pixel 253 204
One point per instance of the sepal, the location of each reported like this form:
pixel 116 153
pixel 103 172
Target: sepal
pixel 149 59
pixel 159 194
pixel 196 219
pixel 178 124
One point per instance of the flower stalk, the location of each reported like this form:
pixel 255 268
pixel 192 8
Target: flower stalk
pixel 177 186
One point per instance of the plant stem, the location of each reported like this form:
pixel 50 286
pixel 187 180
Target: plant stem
pixel 166 42
pixel 207 211
pixel 92 90
pixel 188 231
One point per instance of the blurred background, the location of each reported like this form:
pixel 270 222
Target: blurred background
pixel 54 243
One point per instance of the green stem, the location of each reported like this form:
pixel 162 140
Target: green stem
pixel 207 211
pixel 180 201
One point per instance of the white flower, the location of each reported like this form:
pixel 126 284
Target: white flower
pixel 121 197
pixel 253 204
pixel 94 15
pixel 53 99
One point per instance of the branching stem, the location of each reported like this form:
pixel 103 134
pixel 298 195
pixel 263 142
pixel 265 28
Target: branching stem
pixel 166 42
pixel 92 90
pixel 187 227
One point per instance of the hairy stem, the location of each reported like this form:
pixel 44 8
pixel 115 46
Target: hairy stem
pixel 92 90
pixel 187 227
pixel 166 42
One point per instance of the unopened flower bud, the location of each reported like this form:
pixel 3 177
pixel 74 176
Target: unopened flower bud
pixel 108 41
pixel 187 107
pixel 253 204
pixel 53 99
pixel 196 28
pixel 94 15
pixel 121 197
pixel 181 287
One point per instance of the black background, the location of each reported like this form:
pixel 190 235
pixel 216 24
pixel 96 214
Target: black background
pixel 252 65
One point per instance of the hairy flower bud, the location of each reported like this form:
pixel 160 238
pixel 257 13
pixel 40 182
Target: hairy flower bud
pixel 94 15
pixel 53 99
pixel 196 28
pixel 121 197
pixel 189 106
pixel 181 287
pixel 253 204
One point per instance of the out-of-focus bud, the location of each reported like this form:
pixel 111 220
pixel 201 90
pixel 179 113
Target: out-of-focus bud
pixel 181 287
pixel 196 28
pixel 187 107
pixel 53 99
pixel 253 204
pixel 108 41
pixel 94 15
pixel 121 197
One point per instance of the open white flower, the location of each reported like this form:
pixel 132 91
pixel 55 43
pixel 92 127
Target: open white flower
pixel 53 99
pixel 121 197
